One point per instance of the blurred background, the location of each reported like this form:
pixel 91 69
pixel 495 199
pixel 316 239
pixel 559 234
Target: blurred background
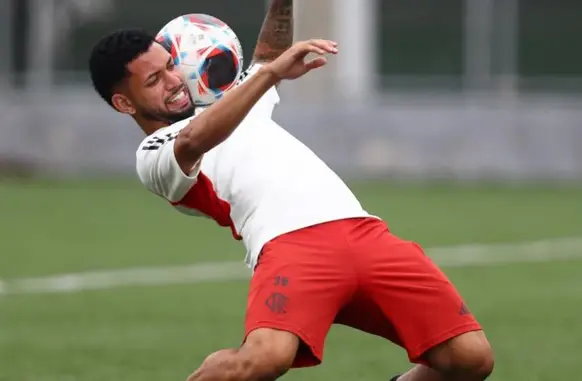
pixel 458 121
pixel 449 88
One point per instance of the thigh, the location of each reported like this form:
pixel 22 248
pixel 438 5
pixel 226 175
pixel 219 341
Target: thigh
pixel 299 286
pixel 413 302
pixel 416 297
pixel 363 314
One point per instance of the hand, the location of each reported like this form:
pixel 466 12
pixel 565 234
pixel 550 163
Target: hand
pixel 291 64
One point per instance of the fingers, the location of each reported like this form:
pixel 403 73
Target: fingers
pixel 316 46
pixel 293 63
pixel 315 63
pixel 327 46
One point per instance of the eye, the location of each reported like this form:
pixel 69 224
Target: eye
pixel 153 81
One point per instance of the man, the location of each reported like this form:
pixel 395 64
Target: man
pixel 318 257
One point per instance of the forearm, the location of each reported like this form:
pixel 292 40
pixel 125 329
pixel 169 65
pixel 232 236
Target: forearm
pixel 216 123
pixel 276 34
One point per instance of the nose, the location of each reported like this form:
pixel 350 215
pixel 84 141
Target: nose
pixel 173 80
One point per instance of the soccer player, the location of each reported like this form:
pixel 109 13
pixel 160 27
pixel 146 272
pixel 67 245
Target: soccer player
pixel 318 257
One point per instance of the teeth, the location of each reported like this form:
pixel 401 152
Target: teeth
pixel 178 97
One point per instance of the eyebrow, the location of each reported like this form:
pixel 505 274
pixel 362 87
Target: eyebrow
pixel 149 77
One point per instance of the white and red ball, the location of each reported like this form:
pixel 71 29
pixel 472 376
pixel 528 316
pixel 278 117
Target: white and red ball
pixel 208 53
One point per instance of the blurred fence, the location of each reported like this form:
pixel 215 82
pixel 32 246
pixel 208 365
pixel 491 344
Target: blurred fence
pixel 457 88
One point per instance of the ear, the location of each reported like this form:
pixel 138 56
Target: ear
pixel 123 104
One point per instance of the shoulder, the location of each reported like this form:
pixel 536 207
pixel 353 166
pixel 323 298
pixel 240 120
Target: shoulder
pixel 157 167
pixel 162 136
pixel 266 105
pixel 270 100
pixel 250 71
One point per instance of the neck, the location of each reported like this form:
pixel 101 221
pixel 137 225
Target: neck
pixel 149 126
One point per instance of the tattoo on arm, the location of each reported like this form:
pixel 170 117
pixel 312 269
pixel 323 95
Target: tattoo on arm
pixel 276 34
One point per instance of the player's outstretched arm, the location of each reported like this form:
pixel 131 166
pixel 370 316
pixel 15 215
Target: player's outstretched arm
pixel 217 122
pixel 276 34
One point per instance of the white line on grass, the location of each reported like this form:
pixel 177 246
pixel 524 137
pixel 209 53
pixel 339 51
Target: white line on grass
pixel 446 256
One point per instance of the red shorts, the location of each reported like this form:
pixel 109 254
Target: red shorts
pixel 356 273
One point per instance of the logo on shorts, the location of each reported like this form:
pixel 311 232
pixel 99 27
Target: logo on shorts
pixel 281 281
pixel 277 303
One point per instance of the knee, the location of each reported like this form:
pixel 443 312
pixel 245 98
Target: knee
pixel 267 355
pixel 468 356
pixel 262 363
pixel 477 361
pixel 268 362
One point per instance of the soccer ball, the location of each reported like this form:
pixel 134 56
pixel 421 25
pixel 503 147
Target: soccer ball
pixel 208 53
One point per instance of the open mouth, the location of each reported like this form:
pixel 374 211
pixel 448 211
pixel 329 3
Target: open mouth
pixel 180 99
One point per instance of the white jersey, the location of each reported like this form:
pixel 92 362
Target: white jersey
pixel 261 182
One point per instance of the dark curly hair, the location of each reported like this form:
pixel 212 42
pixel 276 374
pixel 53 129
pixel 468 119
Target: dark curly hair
pixel 111 55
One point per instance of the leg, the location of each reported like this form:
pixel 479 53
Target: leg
pixel 419 310
pixel 300 283
pixel 454 359
pixel 436 327
pixel 266 355
pixel 466 357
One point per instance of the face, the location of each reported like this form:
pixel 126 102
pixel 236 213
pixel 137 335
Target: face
pixel 155 89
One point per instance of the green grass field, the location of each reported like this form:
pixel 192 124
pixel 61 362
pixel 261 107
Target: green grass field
pixel 532 312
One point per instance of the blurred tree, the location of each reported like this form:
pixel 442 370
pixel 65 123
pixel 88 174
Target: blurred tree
pixel 550 38
pixel 421 37
pixel 425 37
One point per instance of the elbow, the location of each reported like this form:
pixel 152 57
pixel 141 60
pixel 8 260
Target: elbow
pixel 191 142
